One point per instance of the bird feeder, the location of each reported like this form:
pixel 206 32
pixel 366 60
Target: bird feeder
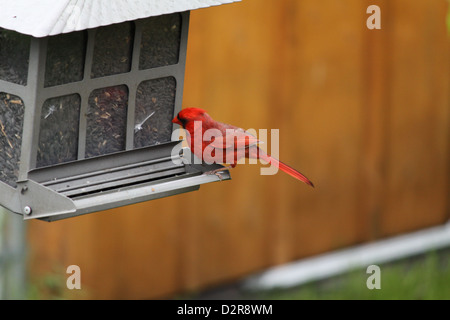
pixel 88 90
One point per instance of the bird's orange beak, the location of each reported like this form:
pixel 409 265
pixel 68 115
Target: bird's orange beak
pixel 175 120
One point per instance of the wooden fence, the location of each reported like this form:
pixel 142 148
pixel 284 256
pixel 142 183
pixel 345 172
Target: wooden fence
pixel 364 113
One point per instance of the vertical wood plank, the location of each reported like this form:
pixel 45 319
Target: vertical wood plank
pixel 417 155
pixel 325 115
pixel 376 110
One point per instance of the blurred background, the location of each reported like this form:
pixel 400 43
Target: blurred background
pixel 365 114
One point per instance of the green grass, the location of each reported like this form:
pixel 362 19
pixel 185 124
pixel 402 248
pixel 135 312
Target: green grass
pixel 422 278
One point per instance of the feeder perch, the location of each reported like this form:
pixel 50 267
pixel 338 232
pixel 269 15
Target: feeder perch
pixel 88 90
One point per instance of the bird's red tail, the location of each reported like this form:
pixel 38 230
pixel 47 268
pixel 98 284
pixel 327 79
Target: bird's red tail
pixel 284 167
pixel 291 171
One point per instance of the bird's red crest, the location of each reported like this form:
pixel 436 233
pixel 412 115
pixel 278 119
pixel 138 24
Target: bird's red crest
pixel 189 114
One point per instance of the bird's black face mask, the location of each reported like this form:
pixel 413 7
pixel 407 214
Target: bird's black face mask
pixel 183 121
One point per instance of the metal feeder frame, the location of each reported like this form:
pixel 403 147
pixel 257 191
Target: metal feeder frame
pixel 88 185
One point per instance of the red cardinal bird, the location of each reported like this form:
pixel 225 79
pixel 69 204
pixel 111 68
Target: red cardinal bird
pixel 232 143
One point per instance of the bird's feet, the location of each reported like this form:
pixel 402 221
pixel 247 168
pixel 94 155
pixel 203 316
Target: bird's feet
pixel 218 171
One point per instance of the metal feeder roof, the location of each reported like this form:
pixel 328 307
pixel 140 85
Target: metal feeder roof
pixel 49 17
